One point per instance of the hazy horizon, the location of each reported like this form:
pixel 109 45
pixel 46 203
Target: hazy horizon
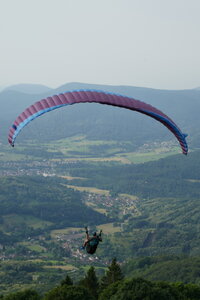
pixel 87 83
pixel 144 43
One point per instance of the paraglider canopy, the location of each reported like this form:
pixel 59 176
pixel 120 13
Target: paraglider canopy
pixel 93 96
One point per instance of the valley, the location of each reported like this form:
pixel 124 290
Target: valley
pixel 42 235
pixel 125 177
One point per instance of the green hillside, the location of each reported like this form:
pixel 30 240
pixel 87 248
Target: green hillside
pixel 167 268
pixel 26 202
pixel 174 176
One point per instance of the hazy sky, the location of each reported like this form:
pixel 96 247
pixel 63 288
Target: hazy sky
pixel 149 43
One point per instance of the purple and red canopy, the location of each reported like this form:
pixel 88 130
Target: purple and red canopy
pixel 93 96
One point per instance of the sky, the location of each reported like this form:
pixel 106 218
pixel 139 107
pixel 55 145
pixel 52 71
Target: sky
pixel 146 43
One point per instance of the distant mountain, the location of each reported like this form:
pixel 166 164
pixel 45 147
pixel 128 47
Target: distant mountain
pixel 104 122
pixel 29 88
pixel 2 88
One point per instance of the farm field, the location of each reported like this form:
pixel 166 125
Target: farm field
pixel 81 149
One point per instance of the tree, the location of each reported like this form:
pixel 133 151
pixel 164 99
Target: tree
pixel 189 291
pixel 66 292
pixel 67 281
pixel 113 274
pixel 23 295
pixel 138 288
pixel 91 282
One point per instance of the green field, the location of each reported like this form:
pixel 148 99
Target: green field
pixel 82 147
pixel 67 230
pixel 79 148
pixel 88 189
pixel 138 158
pixel 96 208
pixel 109 228
pixel 14 219
pixel 62 267
pixel 33 246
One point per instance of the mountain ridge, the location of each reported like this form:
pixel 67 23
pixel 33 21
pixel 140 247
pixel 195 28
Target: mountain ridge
pixel 28 88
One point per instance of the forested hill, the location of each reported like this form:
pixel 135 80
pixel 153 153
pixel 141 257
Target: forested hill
pixel 165 268
pixel 102 122
pixel 174 176
pixel 47 199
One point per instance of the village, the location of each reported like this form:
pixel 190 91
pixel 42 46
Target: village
pixel 66 242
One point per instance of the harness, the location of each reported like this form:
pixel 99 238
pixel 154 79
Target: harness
pixel 92 245
pixel 93 242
